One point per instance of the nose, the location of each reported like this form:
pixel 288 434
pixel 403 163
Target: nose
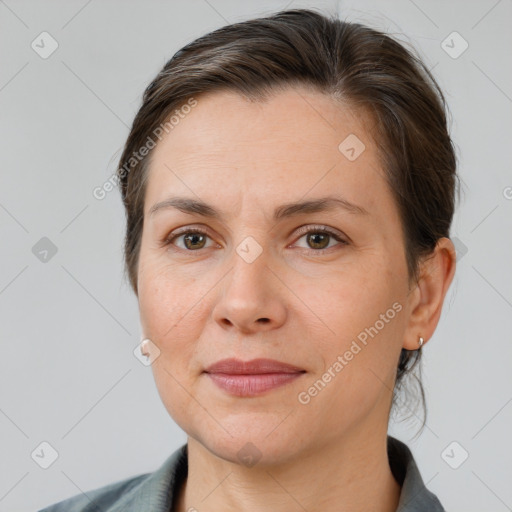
pixel 250 297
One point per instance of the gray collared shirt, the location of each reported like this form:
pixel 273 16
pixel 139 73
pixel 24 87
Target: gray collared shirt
pixel 154 492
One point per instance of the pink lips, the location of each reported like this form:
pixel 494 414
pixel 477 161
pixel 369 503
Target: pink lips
pixel 249 378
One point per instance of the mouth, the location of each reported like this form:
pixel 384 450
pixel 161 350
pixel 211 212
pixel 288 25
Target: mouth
pixel 251 378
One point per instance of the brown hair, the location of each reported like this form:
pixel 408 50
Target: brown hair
pixel 350 62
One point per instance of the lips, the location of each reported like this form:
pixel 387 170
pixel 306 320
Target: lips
pixel 251 378
pixel 254 367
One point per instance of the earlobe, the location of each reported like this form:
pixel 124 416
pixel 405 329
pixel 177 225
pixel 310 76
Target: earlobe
pixel 436 274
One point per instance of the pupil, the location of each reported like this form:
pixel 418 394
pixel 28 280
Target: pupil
pixel 321 235
pixel 194 237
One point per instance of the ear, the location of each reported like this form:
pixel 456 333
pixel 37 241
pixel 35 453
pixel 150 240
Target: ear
pixel 427 297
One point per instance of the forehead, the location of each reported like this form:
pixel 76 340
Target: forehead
pixel 294 143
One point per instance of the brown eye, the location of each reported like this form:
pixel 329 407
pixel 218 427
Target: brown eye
pixel 194 240
pixel 318 240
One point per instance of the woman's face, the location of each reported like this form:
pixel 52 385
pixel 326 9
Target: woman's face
pixel 257 285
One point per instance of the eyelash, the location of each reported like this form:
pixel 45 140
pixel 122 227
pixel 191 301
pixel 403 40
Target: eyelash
pixel 313 229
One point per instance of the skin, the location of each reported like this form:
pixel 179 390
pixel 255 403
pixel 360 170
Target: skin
pixel 202 304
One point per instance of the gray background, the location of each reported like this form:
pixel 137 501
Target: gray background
pixel 69 325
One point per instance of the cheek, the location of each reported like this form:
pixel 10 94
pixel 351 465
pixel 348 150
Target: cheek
pixel 359 359
pixel 173 313
pixel 164 292
pixel 170 319
pixel 158 306
pixel 363 311
pixel 353 298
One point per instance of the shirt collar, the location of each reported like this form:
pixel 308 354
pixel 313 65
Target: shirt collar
pixel 156 491
pixel 414 496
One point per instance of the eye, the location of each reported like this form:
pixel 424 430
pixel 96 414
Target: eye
pixel 193 239
pixel 318 238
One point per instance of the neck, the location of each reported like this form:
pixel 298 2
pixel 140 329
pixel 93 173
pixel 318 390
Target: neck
pixel 351 474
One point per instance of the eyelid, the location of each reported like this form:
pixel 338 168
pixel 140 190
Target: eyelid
pixel 308 228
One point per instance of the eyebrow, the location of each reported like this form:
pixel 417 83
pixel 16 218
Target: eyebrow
pixel 198 207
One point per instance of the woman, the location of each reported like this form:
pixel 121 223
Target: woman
pixel 289 187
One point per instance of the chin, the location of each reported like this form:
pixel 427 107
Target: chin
pixel 250 444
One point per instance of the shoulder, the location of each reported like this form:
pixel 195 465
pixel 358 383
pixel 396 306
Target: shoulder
pixel 147 491
pixel 99 499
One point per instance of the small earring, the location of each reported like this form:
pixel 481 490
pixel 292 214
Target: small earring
pixel 420 342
